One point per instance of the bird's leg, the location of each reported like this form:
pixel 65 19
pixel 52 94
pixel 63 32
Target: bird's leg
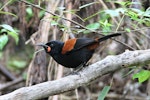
pixel 77 69
pixel 80 67
pixel 86 64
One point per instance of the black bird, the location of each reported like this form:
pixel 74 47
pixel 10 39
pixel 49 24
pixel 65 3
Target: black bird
pixel 74 52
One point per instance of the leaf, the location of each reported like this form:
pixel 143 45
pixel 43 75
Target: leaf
pixel 8 27
pixel 53 22
pixel 128 29
pixel 92 26
pixel 87 5
pixel 17 64
pixel 3 31
pixel 142 76
pixel 15 36
pixel 115 12
pixel 147 13
pixel 103 93
pixel 3 41
pixel 112 12
pixel 10 31
pixel 125 3
pixel 41 13
pixel 29 11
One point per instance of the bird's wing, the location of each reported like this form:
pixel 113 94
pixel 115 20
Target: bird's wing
pixel 83 42
pixel 75 44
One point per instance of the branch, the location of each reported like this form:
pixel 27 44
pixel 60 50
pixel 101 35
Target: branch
pixel 90 73
pixel 76 23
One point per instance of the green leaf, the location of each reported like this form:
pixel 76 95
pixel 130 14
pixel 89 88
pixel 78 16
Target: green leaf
pixel 142 76
pixel 147 13
pixel 3 41
pixel 125 3
pixel 115 12
pixel 17 64
pixel 87 5
pixel 13 33
pixel 41 13
pixel 128 29
pixel 3 31
pixel 92 26
pixel 53 22
pixel 15 36
pixel 8 27
pixel 29 11
pixel 103 93
pixel 112 12
pixel 24 75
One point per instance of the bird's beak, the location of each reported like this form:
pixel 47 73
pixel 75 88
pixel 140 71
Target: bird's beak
pixel 43 45
pixel 47 48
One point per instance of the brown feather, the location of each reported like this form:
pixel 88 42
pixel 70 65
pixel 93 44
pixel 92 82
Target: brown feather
pixel 68 45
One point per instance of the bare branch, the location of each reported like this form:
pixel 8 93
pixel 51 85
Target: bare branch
pixel 90 73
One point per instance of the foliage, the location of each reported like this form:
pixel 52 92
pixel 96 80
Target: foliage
pixel 103 93
pixel 17 64
pixel 142 76
pixel 105 24
pixel 7 30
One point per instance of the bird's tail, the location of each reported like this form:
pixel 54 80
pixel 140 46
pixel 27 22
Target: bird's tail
pixel 108 36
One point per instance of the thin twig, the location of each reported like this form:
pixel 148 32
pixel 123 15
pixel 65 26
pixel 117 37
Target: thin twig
pixel 74 22
pixel 14 82
pixel 6 73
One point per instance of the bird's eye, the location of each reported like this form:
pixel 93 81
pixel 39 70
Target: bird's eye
pixel 48 49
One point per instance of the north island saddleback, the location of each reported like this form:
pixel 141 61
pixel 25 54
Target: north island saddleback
pixel 74 52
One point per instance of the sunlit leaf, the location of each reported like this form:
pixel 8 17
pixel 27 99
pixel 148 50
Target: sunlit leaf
pixel 83 6
pixel 41 14
pixel 147 13
pixel 17 63
pixel 115 12
pixel 53 22
pixel 126 3
pixel 142 76
pixel 92 26
pixel 12 32
pixel 8 27
pixel 3 41
pixel 3 31
pixel 29 11
pixel 15 36
pixel 128 29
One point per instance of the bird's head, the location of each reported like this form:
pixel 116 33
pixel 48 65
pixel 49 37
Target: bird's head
pixel 52 47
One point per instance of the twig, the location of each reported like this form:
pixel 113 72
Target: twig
pixel 87 75
pixel 14 82
pixel 99 32
pixel 6 73
pixel 57 15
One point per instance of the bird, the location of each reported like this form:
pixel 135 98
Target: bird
pixel 74 52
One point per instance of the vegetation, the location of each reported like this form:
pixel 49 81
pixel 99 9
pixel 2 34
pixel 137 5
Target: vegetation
pixel 23 24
